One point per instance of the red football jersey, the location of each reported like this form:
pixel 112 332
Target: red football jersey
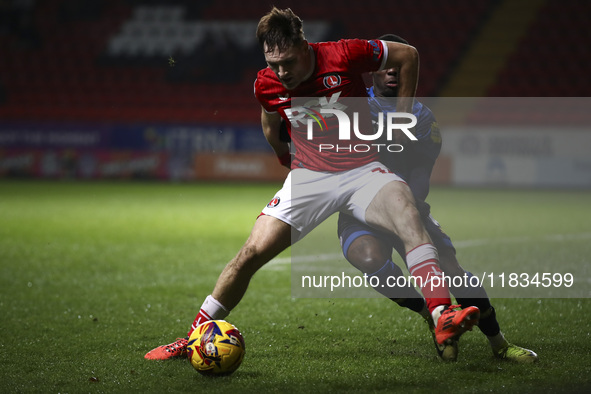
pixel 336 78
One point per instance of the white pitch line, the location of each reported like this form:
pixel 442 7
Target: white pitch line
pixel 281 261
pixel 521 239
pixel 306 258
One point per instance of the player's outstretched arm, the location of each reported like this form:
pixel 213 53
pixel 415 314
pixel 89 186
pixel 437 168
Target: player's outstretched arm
pixel 406 59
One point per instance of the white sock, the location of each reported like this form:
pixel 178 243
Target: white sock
pixel 211 309
pixel 214 308
pixel 497 341
pixel 436 314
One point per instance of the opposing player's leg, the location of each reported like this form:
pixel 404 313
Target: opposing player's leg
pixel 393 209
pixel 472 293
pixel 269 237
pixel 370 251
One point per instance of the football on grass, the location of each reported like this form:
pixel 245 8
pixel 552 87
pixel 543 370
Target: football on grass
pixel 216 347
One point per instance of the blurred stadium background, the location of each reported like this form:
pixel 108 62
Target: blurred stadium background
pixel 162 89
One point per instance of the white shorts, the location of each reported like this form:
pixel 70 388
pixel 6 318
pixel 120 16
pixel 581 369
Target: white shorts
pixel 310 197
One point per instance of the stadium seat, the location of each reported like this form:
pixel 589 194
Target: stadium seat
pixel 119 58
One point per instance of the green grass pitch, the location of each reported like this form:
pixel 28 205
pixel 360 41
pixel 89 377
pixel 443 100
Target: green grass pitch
pixel 93 275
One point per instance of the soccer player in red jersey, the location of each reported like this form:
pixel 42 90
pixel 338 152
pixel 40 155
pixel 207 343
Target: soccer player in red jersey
pixel 326 74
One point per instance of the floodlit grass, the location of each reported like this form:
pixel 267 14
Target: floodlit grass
pixel 93 275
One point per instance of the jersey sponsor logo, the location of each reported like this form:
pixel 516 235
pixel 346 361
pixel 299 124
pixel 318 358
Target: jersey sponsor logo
pixel 332 80
pixel 274 202
pixel 301 114
pixel 317 111
pixel 283 98
pixel 345 125
pixel 316 115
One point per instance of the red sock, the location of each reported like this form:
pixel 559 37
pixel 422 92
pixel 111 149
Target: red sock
pixel 211 309
pixel 202 317
pixel 423 264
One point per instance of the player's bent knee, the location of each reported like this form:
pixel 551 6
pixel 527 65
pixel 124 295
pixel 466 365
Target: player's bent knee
pixel 367 254
pixel 369 263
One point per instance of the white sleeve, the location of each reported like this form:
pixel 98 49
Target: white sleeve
pixel 385 56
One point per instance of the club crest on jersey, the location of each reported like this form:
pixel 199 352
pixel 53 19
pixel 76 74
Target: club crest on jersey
pixel 332 80
pixel 274 202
